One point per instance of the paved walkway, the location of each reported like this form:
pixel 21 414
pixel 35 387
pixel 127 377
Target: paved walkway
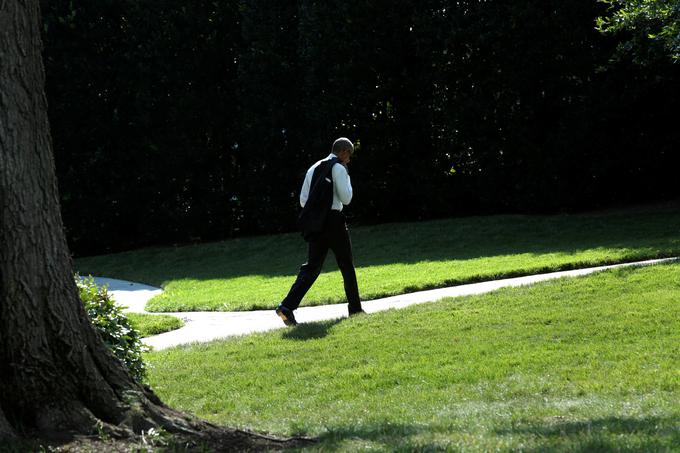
pixel 207 326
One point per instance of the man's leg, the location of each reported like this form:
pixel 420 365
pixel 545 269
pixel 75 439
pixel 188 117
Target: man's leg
pixel 341 244
pixel 318 249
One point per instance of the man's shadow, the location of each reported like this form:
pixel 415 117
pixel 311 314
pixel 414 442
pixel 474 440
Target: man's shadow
pixel 311 330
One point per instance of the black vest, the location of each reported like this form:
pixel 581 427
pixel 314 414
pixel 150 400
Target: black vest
pixel 320 200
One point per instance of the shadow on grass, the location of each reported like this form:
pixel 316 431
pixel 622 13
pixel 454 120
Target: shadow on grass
pixel 391 435
pixel 620 434
pixel 603 434
pixel 311 331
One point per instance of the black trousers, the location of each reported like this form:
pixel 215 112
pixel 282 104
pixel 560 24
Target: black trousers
pixel 336 238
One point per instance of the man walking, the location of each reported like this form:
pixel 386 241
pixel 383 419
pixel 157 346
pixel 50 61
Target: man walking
pixel 325 190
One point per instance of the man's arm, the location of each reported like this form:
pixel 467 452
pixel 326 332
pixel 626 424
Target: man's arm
pixel 342 184
pixel 304 192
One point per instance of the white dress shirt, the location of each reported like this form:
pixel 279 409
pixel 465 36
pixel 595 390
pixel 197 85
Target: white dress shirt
pixel 342 186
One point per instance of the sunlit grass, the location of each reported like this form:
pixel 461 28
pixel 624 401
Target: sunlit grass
pixel 252 273
pixel 148 325
pixel 586 364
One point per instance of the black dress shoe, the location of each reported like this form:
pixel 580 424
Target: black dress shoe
pixel 286 314
pixel 356 312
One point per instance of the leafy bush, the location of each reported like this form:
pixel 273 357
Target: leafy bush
pixel 112 324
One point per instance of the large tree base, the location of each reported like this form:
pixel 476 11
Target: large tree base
pixel 195 435
pixel 147 424
pixel 214 439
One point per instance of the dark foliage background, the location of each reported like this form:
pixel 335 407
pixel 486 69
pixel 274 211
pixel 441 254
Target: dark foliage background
pixel 176 121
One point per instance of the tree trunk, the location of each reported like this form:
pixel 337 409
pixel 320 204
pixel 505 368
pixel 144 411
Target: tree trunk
pixel 56 375
pixel 57 378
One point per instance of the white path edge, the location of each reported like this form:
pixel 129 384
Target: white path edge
pixel 201 327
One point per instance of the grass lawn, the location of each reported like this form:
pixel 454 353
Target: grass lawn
pixel 148 325
pixel 256 273
pixel 586 364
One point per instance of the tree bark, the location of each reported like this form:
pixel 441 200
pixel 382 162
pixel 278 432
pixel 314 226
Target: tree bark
pixel 57 378
pixel 56 374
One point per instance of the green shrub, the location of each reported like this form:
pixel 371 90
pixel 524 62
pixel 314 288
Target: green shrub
pixel 112 324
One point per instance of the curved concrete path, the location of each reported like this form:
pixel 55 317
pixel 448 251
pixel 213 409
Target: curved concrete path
pixel 207 326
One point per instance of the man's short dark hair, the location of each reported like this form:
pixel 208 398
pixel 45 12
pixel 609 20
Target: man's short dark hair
pixel 342 144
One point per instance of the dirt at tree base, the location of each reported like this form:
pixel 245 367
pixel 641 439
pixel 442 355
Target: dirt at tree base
pixel 212 440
